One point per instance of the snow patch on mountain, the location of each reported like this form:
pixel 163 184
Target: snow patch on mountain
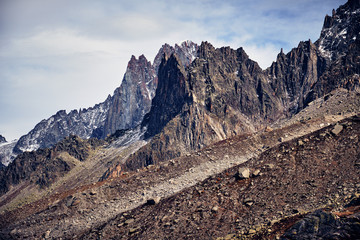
pixel 6 152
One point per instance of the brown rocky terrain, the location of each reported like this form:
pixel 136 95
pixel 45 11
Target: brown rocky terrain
pixel 69 212
pixel 319 170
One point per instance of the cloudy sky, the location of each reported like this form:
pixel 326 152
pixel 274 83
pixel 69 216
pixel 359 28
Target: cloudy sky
pixel 66 54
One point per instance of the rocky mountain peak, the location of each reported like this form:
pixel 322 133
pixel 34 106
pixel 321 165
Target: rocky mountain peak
pixel 205 48
pixel 186 52
pixel 172 92
pixel 338 33
pixel 135 63
pixel 132 100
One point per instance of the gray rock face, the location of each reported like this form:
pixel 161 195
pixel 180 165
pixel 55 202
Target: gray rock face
pixel 132 100
pixel 6 153
pixel 337 34
pixel 293 75
pixel 171 95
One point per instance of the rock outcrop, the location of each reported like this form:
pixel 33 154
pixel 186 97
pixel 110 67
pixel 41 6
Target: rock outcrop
pixel 324 225
pixel 132 100
pixel 2 139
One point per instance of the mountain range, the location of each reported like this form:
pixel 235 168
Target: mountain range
pixel 123 110
pixel 170 152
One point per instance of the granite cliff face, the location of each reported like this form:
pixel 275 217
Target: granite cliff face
pixel 293 75
pixel 132 100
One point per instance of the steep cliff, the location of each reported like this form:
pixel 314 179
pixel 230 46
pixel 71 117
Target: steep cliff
pixel 132 100
pixel 221 94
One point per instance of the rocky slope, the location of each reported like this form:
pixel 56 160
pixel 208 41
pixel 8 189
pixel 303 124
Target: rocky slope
pixel 44 166
pixel 109 199
pixel 315 171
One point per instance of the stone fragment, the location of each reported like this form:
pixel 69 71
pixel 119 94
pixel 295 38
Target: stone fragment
pixel 75 202
pixel 230 236
pixel 134 230
pixel 69 201
pixel 248 202
pixel 337 129
pixel 129 221
pixel 47 234
pixel 270 165
pixel 215 209
pixel 153 201
pixel 268 129
pixel 243 173
pixel 256 173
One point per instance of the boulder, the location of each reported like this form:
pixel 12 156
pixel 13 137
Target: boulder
pixel 256 173
pixel 248 202
pixel 153 201
pixel 337 129
pixel 243 173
